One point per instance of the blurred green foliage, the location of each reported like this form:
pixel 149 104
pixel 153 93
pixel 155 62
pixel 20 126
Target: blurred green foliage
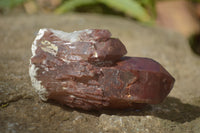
pixel 142 10
pixel 195 0
pixel 8 4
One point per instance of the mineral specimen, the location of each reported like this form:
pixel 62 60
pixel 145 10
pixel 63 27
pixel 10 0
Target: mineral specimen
pixel 86 69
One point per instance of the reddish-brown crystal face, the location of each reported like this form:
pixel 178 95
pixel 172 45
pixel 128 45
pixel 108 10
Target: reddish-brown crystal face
pixel 85 69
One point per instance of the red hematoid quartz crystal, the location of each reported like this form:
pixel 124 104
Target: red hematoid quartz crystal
pixel 87 69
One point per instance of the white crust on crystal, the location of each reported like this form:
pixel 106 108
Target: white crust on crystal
pixel 33 69
pixel 95 54
pixel 36 83
pixel 71 37
pixel 49 47
pixel 53 49
pixel 40 34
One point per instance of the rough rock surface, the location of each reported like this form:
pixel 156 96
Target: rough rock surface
pixel 24 112
pixel 85 69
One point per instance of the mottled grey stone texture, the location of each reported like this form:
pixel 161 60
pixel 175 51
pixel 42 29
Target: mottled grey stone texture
pixel 180 112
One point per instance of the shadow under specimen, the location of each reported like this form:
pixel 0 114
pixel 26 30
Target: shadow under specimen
pixel 171 109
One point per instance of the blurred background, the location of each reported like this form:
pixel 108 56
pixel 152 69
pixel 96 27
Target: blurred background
pixel 182 16
pixel 148 28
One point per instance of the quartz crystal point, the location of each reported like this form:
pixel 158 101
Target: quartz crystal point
pixel 86 69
